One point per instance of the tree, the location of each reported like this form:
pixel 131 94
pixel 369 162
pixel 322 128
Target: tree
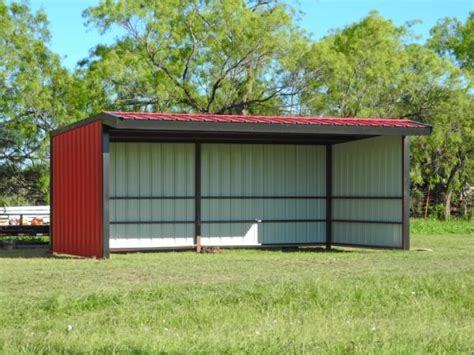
pixel 215 56
pixel 451 38
pixel 33 94
pixel 369 69
pixel 356 71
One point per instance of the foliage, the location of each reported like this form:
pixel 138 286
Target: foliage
pixel 22 186
pixel 239 57
pixel 454 39
pixel 370 69
pixel 356 71
pixel 246 301
pixel 33 99
pixel 202 56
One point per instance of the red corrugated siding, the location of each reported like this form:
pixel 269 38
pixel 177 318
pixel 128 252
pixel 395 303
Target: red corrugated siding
pixel 77 191
pixel 324 121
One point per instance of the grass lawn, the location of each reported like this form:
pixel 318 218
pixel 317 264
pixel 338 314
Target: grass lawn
pixel 346 301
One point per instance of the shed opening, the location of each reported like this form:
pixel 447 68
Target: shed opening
pixel 159 181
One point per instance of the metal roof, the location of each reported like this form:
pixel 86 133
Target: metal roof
pixel 207 126
pixel 299 120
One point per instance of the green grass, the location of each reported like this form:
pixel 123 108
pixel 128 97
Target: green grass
pixel 428 226
pixel 26 239
pixel 347 301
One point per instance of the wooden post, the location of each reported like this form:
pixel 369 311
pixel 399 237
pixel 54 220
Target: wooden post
pixel 198 244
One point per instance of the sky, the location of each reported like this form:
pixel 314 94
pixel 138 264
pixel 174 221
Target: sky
pixel 72 39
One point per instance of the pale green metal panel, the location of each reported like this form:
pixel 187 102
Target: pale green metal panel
pixel 381 235
pixel 372 210
pixel 151 170
pixel 262 170
pixel 130 210
pixel 365 168
pixel 292 232
pixel 259 169
pixel 368 167
pixel 262 209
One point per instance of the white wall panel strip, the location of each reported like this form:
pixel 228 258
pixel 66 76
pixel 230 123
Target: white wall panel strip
pixel 248 234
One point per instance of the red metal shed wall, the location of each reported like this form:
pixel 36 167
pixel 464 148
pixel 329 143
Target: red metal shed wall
pixel 77 191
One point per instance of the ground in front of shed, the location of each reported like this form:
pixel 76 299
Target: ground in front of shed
pixel 244 300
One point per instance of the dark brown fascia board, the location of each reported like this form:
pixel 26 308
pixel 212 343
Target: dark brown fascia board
pixel 227 127
pixel 106 119
pixel 127 135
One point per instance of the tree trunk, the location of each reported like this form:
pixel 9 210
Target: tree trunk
pixel 427 205
pixel 447 206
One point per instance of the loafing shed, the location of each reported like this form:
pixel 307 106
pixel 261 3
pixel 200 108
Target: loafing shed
pixel 124 181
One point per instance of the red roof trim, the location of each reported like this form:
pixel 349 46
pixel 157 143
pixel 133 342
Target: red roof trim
pixel 326 121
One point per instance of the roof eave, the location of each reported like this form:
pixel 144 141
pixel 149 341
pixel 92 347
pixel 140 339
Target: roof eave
pixel 190 126
pixel 227 127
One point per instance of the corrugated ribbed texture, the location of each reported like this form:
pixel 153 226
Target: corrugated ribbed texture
pixel 323 121
pixel 77 191
pixel 369 167
pixel 376 235
pixel 256 170
pixel 374 210
pixel 263 170
pixel 151 171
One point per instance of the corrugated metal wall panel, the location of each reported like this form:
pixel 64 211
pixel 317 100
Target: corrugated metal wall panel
pixel 373 210
pixel 381 235
pixel 256 170
pixel 291 232
pixel 151 171
pixel 259 169
pixel 151 235
pixel 77 223
pixel 262 209
pixel 368 168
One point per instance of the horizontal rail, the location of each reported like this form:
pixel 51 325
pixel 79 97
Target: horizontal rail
pixel 365 246
pixel 266 221
pixel 213 197
pixel 364 221
pixel 224 221
pixel 264 197
pixel 152 197
pixel 32 230
pixel 367 197
pixel 151 222
pixel 255 197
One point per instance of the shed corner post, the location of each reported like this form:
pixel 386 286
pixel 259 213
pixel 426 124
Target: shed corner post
pixel 105 192
pixel 197 197
pixel 405 193
pixel 51 209
pixel 328 197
